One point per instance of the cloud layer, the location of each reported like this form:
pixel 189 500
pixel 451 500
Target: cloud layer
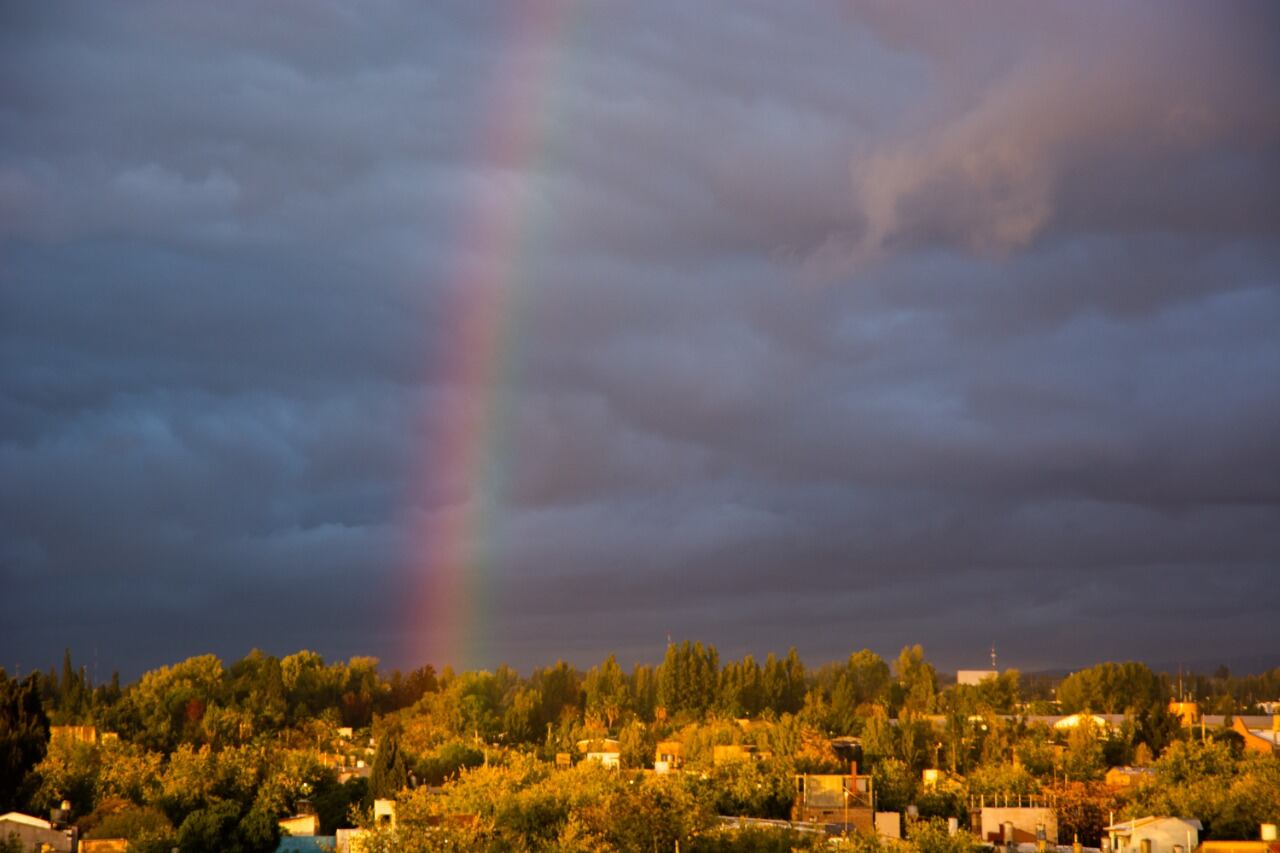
pixel 851 326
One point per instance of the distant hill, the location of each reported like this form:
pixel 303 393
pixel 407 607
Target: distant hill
pixel 1250 664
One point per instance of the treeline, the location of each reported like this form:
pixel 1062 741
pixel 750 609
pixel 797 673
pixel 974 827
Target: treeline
pixel 200 700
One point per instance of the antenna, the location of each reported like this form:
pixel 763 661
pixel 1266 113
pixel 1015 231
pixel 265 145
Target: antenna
pixel 993 656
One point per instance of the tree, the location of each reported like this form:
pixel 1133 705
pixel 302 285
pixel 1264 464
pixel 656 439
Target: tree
pixel 521 720
pixel 783 683
pixel 636 743
pixel 24 733
pixel 145 827
pixel 864 679
pixel 560 691
pixel 1083 809
pixel 933 836
pixel 222 827
pixel 1083 760
pixel 917 679
pixel 389 773
pixel 1112 688
pixel 688 678
pixel 170 702
pixel 895 785
pixel 1230 793
pixel 654 813
pixel 69 771
pixel 606 692
pixel 644 691
pixel 447 762
pixel 128 772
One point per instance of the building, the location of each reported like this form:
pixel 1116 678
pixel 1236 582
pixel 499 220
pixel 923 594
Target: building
pixel 300 825
pixel 1155 835
pixel 1266 843
pixel 889 825
pixel 835 799
pixel 104 845
pixel 1019 824
pixel 605 750
pixel 305 823
pixel 384 813
pixel 1239 847
pixel 974 677
pixel 1101 722
pixel 1264 741
pixel 668 756
pixel 610 760
pixel 33 833
pixel 79 734
pixel 599 744
pixel 308 844
pixel 737 752
pixel 1129 777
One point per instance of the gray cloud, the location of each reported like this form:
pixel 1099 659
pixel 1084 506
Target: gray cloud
pixel 860 325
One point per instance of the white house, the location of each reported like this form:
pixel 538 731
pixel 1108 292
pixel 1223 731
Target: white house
pixel 1155 835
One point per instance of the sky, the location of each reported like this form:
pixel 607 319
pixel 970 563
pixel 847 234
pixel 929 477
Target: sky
pixel 469 333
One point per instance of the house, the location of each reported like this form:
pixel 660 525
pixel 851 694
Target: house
pixel 33 833
pixel 599 744
pixel 304 823
pixel 889 825
pixel 1266 843
pixel 605 750
pixel 1100 722
pixel 835 798
pixel 737 752
pixel 1188 713
pixel 1019 824
pixel 349 840
pixel 1155 835
pixel 104 845
pixel 974 677
pixel 359 770
pixel 1129 777
pixel 668 756
pixel 384 813
pixel 933 779
pixel 79 734
pixel 300 825
pixel 1264 741
pixel 1239 847
pixel 611 760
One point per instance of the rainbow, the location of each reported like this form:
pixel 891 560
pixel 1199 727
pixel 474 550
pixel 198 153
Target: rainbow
pixel 455 552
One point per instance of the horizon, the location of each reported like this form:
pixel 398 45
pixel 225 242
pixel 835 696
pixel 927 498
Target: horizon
pixel 474 335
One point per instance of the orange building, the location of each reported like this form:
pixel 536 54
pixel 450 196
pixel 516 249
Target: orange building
pixel 1259 740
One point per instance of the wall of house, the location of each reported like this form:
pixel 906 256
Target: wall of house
pixel 1024 820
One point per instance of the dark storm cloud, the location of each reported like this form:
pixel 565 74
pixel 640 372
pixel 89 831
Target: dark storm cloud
pixel 862 325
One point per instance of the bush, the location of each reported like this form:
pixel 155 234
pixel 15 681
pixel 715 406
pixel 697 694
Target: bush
pixel 932 836
pixel 755 839
pixel 447 761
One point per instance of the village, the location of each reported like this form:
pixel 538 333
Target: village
pixel 651 758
